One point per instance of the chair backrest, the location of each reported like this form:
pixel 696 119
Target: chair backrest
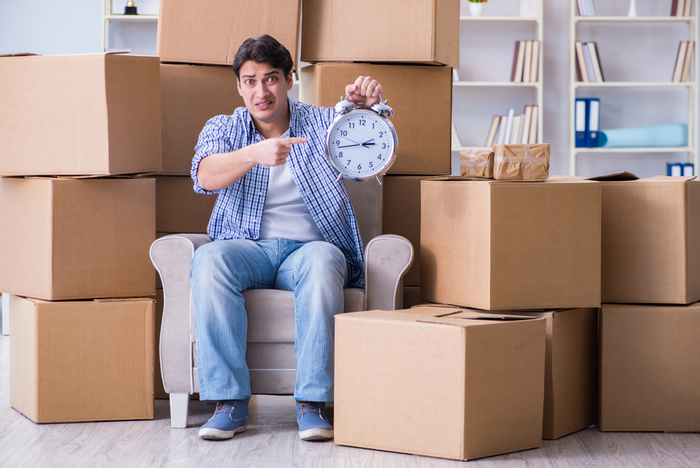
pixel 367 200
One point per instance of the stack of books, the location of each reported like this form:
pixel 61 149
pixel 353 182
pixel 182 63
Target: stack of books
pixel 588 67
pixel 526 61
pixel 514 129
pixel 681 7
pixel 684 59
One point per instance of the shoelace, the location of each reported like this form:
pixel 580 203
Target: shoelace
pixel 225 408
pixel 307 407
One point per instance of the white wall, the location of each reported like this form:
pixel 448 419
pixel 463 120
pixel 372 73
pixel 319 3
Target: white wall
pixel 627 52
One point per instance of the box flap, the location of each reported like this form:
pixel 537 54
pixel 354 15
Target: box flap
pixel 616 176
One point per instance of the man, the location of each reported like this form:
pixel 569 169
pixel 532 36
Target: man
pixel 281 220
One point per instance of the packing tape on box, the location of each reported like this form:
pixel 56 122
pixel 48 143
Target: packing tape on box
pixel 476 163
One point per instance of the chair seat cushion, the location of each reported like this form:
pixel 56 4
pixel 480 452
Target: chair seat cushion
pixel 271 313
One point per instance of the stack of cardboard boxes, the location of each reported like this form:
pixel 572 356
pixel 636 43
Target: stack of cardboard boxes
pixel 650 318
pixel 411 50
pixel 77 225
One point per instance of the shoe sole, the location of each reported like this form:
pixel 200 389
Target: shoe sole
pixel 316 434
pixel 209 433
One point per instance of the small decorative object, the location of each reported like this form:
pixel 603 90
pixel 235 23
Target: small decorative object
pixel 476 7
pixel 130 8
pixel 633 9
pixel 361 143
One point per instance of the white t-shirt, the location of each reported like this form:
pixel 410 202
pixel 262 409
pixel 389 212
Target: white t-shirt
pixel 286 215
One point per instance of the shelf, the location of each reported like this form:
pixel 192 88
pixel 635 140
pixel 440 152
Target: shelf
pixel 638 19
pixel 496 84
pixel 644 149
pixel 486 19
pixel 132 18
pixel 634 84
pixel 460 148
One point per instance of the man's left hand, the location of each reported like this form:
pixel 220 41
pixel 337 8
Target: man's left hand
pixel 364 91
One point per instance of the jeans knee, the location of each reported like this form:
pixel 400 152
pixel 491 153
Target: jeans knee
pixel 324 259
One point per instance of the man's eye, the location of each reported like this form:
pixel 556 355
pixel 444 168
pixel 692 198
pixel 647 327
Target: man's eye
pixel 249 82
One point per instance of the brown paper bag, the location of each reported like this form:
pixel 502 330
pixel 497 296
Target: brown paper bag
pixel 476 163
pixel 521 162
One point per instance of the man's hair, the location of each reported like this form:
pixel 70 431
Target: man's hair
pixel 264 49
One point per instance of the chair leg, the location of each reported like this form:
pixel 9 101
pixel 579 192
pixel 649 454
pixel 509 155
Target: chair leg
pixel 179 409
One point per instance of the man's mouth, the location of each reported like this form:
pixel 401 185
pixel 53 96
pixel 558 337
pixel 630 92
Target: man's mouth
pixel 262 105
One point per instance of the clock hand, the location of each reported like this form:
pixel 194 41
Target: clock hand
pixel 368 143
pixel 348 146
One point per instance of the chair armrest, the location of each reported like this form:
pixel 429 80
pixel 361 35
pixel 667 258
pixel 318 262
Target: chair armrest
pixel 387 259
pixel 172 257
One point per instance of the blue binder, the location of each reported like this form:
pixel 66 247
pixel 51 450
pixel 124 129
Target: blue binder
pixel 581 122
pixel 593 126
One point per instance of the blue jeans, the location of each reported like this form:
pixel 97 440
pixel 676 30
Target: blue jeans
pixel 223 269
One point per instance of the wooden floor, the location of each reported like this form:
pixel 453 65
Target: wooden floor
pixel 272 441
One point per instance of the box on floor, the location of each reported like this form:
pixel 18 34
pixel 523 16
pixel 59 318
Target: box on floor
pixel 211 32
pixel 82 360
pixel 649 368
pixel 94 114
pixel 421 97
pixel 571 368
pixel 190 96
pixel 651 240
pixel 424 31
pixel 65 238
pixel 443 382
pixel 500 245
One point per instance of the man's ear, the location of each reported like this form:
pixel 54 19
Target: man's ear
pixel 238 87
pixel 290 80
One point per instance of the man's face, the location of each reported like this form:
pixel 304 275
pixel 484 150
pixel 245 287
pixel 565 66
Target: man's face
pixel 264 91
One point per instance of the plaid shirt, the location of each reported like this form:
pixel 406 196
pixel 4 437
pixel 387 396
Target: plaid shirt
pixel 238 210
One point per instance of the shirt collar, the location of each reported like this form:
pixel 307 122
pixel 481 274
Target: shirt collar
pixel 293 120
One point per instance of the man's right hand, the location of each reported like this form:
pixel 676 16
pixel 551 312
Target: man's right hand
pixel 274 151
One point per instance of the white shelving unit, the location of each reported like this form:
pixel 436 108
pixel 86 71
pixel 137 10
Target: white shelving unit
pixel 538 34
pixel 109 17
pixel 643 86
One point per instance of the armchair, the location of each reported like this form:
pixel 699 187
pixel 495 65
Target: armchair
pixel 270 348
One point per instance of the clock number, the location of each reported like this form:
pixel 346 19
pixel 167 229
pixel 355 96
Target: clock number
pixel 348 163
pixel 340 155
pixel 363 122
pixel 359 167
pixel 371 164
pixel 337 142
pixel 381 134
pixel 379 157
pixel 343 133
pixel 351 124
pixel 383 145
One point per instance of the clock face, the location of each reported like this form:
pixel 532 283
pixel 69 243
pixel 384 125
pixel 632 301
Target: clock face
pixel 361 144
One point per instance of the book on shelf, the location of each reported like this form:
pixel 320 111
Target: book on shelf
pixel 684 59
pixel 589 63
pixel 501 133
pixel 509 125
pixel 491 137
pixel 455 75
pixel 585 7
pixel 580 122
pixel 593 109
pixel 688 10
pixel 516 129
pixel 535 63
pixel 527 61
pixel 527 119
pixel 681 7
pixel 532 134
pixel 581 63
pixel 595 60
pixel 688 60
pixel 526 58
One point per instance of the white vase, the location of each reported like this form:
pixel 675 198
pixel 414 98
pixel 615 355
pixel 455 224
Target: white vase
pixel 476 9
pixel 633 9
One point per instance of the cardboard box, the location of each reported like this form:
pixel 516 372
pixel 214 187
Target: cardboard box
pixel 190 95
pixel 500 245
pixel 521 162
pixel 411 296
pixel 476 163
pixel 96 114
pixel 82 360
pixel 440 382
pixel 571 370
pixel 651 240
pixel 211 32
pixel 179 209
pixel 649 368
pixel 402 216
pixel 421 97
pixel 423 31
pixel 68 238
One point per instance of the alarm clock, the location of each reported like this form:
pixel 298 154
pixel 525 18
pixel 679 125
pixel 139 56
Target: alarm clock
pixel 361 143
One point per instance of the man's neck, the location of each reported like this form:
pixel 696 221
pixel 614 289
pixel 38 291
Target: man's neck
pixel 273 129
